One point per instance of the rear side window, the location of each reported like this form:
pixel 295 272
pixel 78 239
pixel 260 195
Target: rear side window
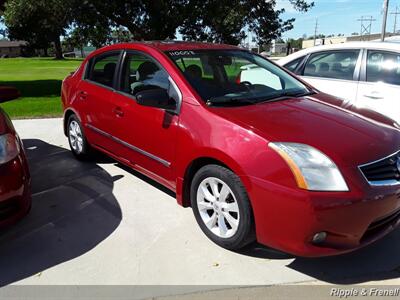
pixel 383 67
pixel 332 64
pixel 292 66
pixel 103 69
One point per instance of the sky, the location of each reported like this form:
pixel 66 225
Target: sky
pixel 335 16
pixel 338 16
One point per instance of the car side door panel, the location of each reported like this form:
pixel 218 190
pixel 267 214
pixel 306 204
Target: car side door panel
pixel 97 93
pixel 379 88
pixel 148 133
pixel 334 72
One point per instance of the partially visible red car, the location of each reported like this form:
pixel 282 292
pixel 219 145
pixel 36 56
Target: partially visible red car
pixel 15 181
pixel 267 157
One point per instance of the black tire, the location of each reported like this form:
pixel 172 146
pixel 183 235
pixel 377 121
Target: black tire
pixel 245 233
pixel 85 153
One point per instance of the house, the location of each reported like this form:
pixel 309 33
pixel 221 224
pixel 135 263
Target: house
pixel 278 48
pixel 80 52
pixel 11 48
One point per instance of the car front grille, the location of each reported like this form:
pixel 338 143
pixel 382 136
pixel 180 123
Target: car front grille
pixel 380 225
pixel 384 171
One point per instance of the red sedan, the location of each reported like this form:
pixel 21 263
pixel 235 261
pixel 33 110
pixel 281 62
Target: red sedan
pixel 15 191
pixel 263 157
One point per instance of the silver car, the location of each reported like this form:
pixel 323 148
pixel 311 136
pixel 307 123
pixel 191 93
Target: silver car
pixel 365 74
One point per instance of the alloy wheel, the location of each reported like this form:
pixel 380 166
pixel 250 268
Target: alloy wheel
pixel 218 207
pixel 75 137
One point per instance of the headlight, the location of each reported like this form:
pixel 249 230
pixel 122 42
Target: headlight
pixel 9 148
pixel 312 169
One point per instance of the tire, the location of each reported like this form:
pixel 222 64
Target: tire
pixel 78 143
pixel 229 215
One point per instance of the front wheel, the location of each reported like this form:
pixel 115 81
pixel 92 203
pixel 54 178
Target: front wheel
pixel 221 207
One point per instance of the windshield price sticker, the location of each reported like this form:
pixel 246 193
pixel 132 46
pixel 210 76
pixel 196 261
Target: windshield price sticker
pixel 364 292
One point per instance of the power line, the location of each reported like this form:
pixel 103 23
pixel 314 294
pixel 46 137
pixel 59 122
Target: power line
pixel 366 25
pixel 395 13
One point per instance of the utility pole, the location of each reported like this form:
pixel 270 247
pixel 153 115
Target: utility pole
pixel 315 31
pixel 385 14
pixel 396 13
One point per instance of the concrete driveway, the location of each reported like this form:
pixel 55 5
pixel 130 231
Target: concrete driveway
pixel 100 223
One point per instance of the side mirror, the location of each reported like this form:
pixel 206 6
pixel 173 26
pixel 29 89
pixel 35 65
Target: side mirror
pixel 158 98
pixel 8 93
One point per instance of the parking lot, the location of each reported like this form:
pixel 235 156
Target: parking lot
pixel 100 223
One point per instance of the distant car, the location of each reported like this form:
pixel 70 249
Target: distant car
pixel 15 180
pixel 254 151
pixel 365 74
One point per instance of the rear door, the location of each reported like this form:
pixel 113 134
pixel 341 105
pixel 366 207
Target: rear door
pixel 334 72
pixel 379 88
pixel 97 92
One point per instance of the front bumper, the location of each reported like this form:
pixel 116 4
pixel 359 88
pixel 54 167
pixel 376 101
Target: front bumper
pixel 15 190
pixel 287 219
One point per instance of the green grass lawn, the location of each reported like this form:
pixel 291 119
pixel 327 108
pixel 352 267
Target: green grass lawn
pixel 39 81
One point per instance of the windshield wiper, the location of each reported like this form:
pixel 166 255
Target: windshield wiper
pixel 254 100
pixel 297 94
pixel 225 100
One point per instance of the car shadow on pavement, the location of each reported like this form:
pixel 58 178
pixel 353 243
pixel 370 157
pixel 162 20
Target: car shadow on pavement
pixel 260 251
pixel 379 261
pixel 73 210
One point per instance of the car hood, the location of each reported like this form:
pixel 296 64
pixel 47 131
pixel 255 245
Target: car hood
pixel 343 135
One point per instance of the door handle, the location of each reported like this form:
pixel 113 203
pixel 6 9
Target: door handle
pixel 118 112
pixel 83 95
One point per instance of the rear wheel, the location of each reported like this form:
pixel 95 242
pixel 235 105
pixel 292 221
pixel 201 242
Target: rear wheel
pixel 77 140
pixel 221 207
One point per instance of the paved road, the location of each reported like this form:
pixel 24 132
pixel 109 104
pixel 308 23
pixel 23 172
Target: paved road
pixel 99 223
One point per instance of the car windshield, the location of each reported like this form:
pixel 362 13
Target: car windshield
pixel 226 77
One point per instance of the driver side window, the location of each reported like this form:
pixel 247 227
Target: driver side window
pixel 141 73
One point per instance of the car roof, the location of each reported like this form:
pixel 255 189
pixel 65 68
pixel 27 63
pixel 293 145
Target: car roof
pixel 167 46
pixel 392 46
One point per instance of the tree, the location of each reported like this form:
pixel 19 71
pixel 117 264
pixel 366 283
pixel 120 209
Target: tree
pixel 121 35
pixel 88 27
pixel 39 22
pixel 145 19
pixel 227 21
pixel 220 21
pixel 295 43
pixel 81 36
pixel 42 22
pixel 2 2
